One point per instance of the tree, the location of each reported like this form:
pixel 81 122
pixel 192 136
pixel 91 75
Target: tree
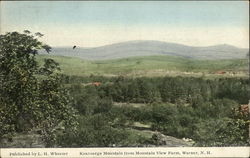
pixel 31 96
pixel 221 132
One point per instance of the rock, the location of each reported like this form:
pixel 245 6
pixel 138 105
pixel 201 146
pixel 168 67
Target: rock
pixel 160 139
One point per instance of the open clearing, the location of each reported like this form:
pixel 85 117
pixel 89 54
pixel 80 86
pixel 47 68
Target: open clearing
pixel 152 66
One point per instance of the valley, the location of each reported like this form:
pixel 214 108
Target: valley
pixel 152 66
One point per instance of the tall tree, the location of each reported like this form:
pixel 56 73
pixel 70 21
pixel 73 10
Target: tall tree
pixel 31 96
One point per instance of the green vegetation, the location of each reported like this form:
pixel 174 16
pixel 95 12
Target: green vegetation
pixel 150 66
pixel 31 96
pixel 183 107
pixel 107 103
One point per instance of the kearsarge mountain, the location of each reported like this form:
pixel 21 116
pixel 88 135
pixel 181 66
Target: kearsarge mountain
pixel 151 48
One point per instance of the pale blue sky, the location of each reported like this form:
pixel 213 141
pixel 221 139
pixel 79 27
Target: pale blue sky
pixel 96 23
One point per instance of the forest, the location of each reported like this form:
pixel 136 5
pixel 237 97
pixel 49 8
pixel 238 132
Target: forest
pixel 207 111
pixel 39 103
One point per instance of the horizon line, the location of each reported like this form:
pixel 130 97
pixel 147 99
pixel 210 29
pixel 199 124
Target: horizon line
pixel 127 41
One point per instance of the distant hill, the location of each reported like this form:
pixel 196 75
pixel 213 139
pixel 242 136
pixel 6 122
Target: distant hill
pixel 151 48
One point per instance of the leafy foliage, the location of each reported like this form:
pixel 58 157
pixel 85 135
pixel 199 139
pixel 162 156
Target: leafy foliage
pixel 175 106
pixel 30 96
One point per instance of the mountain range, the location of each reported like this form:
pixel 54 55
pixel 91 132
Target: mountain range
pixel 151 48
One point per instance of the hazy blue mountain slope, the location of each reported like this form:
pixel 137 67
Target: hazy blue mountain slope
pixel 151 48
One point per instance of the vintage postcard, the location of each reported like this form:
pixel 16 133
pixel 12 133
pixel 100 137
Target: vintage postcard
pixel 124 79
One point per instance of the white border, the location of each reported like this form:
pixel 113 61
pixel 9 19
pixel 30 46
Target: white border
pixel 159 152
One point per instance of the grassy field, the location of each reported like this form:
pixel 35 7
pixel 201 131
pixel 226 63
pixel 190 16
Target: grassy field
pixel 150 66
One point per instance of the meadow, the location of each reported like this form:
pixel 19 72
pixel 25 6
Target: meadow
pixel 151 66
